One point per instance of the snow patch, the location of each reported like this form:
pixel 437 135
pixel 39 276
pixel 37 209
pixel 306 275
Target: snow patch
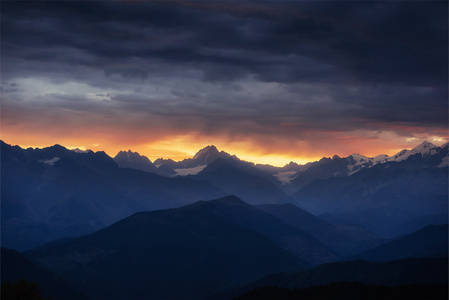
pixel 286 176
pixel 50 162
pixel 78 150
pixel 189 171
pixel 360 161
pixel 380 159
pixel 444 162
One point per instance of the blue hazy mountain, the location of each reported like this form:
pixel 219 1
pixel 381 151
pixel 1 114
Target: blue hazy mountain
pixel 383 198
pixel 129 159
pixel 54 192
pixel 296 176
pixel 184 253
pixel 344 240
pixel 239 178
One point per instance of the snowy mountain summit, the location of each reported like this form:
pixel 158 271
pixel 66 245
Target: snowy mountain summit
pixel 425 149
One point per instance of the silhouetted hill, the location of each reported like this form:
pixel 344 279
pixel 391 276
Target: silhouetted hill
pixel 392 273
pixel 15 266
pixel 184 253
pixel 297 241
pixel 429 241
pixel 53 193
pixel 350 291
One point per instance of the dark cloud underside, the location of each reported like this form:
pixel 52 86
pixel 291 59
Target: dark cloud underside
pixel 265 68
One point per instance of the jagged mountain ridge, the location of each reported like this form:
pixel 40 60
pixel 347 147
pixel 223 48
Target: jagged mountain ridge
pixel 203 157
pixel 292 176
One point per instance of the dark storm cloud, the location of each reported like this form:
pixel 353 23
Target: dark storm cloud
pixel 326 65
pixel 371 42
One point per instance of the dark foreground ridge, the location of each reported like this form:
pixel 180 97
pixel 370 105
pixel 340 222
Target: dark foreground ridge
pixel 350 291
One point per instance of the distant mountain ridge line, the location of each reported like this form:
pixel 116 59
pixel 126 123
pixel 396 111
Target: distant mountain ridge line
pixel 379 157
pixel 209 153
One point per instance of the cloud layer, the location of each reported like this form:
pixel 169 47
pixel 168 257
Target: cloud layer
pixel 275 76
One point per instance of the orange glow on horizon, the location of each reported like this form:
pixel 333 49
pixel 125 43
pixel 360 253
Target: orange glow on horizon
pixel 182 147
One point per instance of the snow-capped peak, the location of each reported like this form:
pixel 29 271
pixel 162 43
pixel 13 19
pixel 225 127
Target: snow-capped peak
pixel 359 161
pixel 424 147
pixel 359 157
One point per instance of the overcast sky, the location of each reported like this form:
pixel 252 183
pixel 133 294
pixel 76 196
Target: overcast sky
pixel 294 80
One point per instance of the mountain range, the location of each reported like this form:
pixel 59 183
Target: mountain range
pixel 55 192
pixel 213 247
pixel 291 174
pixel 52 193
pixel 388 195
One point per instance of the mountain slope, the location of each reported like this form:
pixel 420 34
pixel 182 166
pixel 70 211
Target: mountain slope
pixel 184 253
pixel 429 241
pixel 203 157
pixel 391 273
pixel 134 160
pixel 382 198
pixel 342 241
pixel 297 241
pixel 301 176
pixel 233 177
pixel 16 266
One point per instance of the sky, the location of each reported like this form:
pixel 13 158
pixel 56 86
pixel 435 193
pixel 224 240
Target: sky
pixel 271 82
